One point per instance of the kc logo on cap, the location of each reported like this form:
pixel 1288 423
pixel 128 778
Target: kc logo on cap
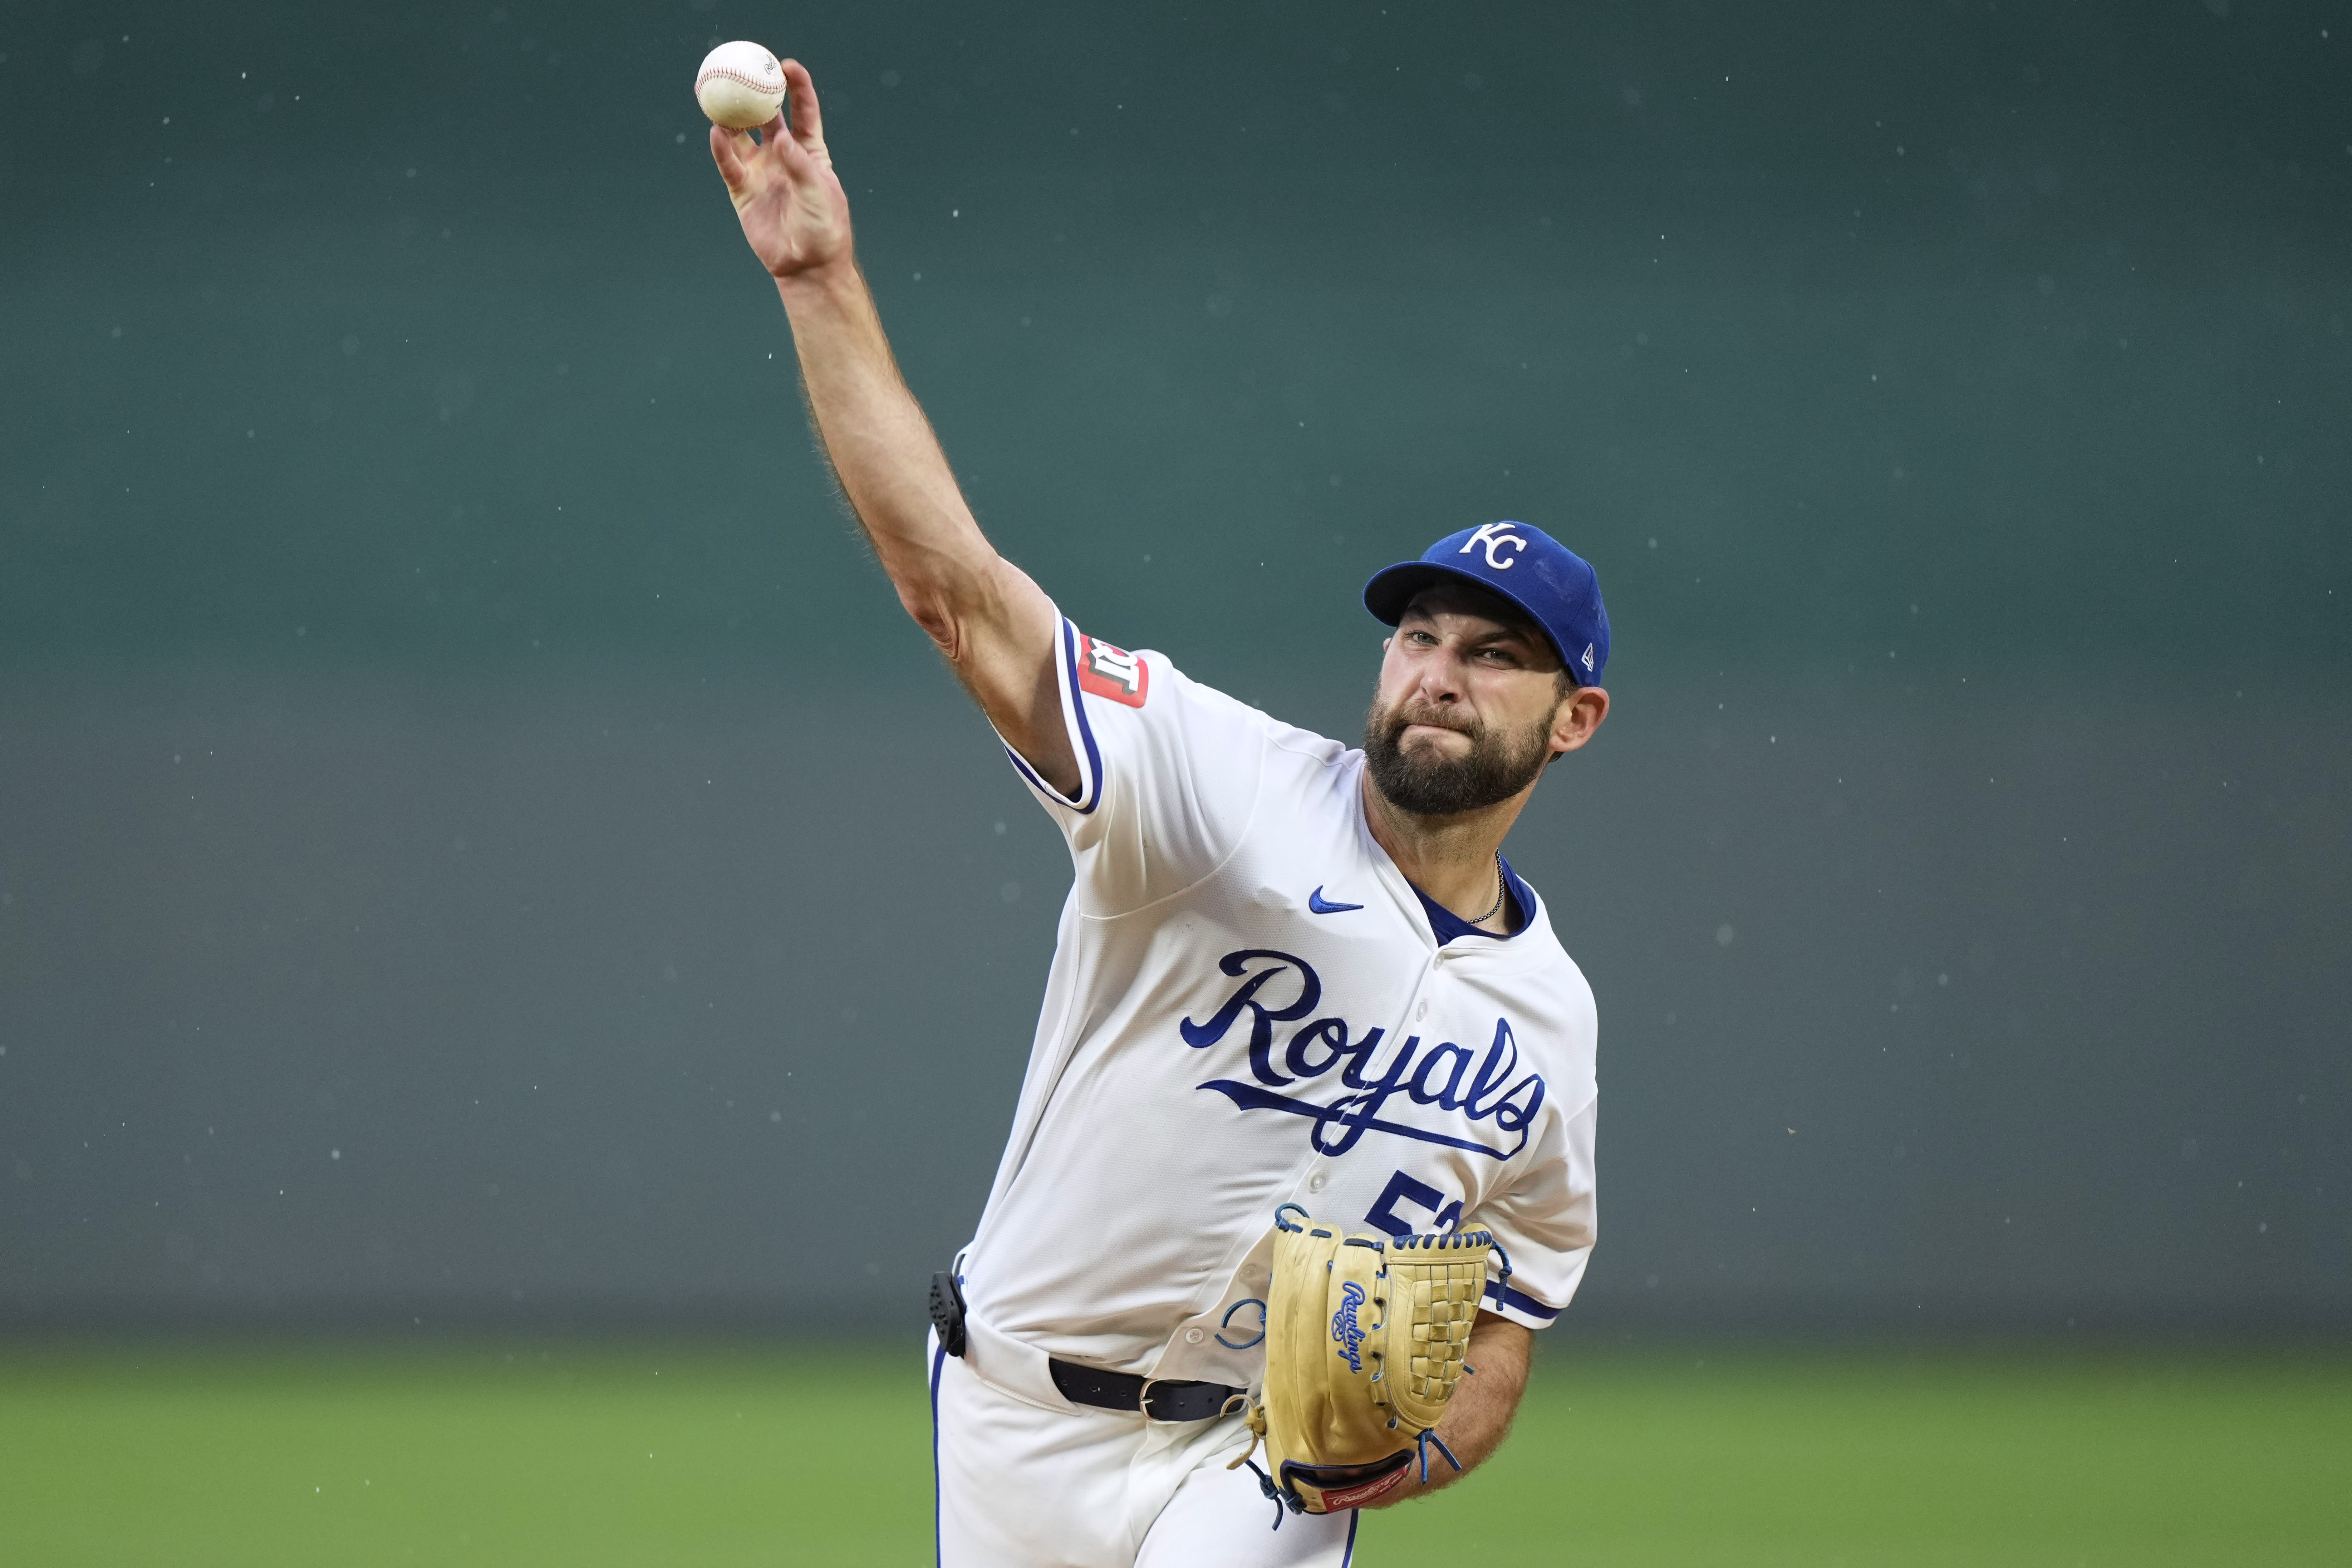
pixel 1494 541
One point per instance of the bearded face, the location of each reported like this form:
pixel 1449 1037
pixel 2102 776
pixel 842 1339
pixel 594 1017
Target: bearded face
pixel 1424 781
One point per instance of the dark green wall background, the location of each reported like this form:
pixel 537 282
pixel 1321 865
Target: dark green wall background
pixel 445 720
pixel 414 338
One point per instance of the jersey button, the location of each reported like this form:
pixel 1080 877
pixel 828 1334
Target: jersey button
pixel 1318 1180
pixel 1194 1336
pixel 1421 1012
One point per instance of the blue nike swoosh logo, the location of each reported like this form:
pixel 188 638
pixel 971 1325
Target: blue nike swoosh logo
pixel 1317 903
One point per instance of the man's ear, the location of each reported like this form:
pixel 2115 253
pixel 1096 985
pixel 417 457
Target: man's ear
pixel 1579 713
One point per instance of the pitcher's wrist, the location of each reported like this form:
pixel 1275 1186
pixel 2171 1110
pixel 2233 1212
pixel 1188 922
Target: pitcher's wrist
pixel 828 283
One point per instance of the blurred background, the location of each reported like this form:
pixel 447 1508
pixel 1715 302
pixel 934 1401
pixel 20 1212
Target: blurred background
pixel 482 852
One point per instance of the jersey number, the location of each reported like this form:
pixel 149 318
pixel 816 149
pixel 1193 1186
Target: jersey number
pixel 1401 1188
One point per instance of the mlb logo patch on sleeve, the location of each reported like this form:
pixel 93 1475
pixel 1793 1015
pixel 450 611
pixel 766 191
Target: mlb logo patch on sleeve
pixel 1111 672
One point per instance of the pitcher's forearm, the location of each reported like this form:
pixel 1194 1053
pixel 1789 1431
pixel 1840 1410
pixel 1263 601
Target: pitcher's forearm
pixel 883 450
pixel 995 626
pixel 1478 1417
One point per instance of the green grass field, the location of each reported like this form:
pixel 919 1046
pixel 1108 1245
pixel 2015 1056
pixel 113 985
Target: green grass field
pixel 580 1454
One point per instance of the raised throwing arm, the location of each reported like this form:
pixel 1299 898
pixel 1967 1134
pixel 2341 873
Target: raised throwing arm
pixel 994 624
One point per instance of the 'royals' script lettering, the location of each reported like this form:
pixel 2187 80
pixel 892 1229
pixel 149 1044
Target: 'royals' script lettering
pixel 1277 988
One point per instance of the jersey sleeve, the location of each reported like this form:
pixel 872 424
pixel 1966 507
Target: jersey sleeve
pixel 1545 1221
pixel 1168 774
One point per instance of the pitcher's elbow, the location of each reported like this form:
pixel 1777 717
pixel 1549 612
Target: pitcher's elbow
pixel 929 611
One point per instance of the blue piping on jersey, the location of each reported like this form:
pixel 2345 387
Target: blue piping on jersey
pixel 939 1551
pixel 1503 1295
pixel 1349 1554
pixel 1090 786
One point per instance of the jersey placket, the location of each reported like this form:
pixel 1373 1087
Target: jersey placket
pixel 1404 1034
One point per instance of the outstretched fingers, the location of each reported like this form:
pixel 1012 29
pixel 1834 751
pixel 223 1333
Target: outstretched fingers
pixel 799 97
pixel 738 157
pixel 730 150
pixel 802 159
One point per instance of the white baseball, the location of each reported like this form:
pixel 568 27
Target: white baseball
pixel 739 85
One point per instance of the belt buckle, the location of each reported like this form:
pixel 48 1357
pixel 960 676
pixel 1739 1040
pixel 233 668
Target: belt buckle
pixel 1235 1404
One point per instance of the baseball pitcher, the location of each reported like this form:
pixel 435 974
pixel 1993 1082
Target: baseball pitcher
pixel 1304 1152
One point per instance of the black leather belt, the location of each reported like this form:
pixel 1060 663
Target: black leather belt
pixel 1159 1398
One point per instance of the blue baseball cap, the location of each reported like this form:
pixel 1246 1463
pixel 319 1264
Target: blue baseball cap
pixel 1557 587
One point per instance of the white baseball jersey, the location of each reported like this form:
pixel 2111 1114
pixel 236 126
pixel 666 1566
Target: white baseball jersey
pixel 1248 1007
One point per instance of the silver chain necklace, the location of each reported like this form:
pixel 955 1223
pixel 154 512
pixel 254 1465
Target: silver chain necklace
pixel 1502 886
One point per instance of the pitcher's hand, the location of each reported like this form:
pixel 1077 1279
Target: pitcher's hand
pixel 790 202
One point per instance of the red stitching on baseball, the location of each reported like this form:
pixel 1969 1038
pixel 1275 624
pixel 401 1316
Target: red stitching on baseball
pixel 733 74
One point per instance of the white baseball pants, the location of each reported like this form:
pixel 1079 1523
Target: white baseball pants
pixel 1020 1487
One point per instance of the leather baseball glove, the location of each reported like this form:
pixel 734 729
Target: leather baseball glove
pixel 1364 1342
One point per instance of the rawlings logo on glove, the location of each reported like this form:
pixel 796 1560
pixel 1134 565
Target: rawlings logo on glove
pixel 1344 1329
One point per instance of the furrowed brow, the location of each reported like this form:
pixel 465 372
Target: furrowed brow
pixel 1512 638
